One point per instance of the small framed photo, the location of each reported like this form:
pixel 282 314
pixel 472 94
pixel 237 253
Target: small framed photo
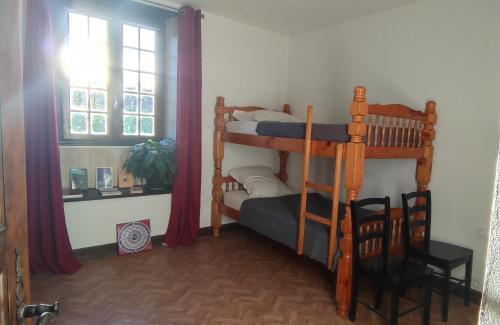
pixel 103 177
pixel 78 179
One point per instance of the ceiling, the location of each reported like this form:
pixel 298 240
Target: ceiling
pixel 291 17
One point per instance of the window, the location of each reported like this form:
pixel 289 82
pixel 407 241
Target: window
pixel 110 76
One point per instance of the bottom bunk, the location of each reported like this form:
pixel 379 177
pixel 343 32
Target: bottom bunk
pixel 278 218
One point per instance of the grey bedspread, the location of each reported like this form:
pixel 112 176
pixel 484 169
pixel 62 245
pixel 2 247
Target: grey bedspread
pixel 278 218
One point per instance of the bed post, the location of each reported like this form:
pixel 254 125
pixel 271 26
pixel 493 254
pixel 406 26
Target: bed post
pixel 283 175
pixel 424 165
pixel 217 192
pixel 354 169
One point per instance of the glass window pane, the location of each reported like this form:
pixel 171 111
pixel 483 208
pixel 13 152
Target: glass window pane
pixel 130 81
pixel 129 103
pixel 130 59
pixel 130 36
pixel 98 100
pixel 147 104
pixel 78 26
pixel 147 125
pixel 98 77
pixel 77 67
pixel 98 54
pixel 79 123
pixel 147 83
pixel 147 39
pixel 147 61
pixel 78 99
pixel 98 30
pixel 130 125
pixel 98 124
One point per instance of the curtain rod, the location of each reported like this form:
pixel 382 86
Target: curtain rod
pixel 158 5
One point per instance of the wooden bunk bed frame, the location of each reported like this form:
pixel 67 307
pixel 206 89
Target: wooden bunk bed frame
pixel 381 125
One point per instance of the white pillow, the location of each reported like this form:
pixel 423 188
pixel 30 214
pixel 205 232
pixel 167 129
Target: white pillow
pixel 241 174
pixel 274 116
pixel 260 181
pixel 243 116
pixel 261 186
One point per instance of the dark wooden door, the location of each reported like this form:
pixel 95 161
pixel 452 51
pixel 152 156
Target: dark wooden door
pixel 14 268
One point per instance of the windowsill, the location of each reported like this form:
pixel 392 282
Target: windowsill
pixel 93 194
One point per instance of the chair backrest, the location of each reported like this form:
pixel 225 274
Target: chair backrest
pixel 365 216
pixel 422 208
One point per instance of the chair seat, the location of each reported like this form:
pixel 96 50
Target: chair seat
pixel 399 271
pixel 443 254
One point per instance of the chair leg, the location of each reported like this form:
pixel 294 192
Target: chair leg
pixel 378 297
pixel 446 294
pixel 468 279
pixel 428 301
pixel 354 299
pixel 394 306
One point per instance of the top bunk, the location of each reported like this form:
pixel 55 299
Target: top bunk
pixel 391 131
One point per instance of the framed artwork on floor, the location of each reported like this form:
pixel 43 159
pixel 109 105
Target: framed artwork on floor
pixel 133 237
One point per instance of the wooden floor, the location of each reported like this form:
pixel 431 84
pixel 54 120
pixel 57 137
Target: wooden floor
pixel 240 278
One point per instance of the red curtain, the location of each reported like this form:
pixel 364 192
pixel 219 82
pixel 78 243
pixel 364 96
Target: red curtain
pixel 184 220
pixel 49 246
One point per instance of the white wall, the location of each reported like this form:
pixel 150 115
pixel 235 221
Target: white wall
pixel 443 50
pixel 245 64
pixel 248 66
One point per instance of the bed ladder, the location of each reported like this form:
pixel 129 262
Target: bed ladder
pixel 335 190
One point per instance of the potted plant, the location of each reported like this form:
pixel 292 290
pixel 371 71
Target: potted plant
pixel 153 161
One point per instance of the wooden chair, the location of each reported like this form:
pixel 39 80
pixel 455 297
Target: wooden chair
pixel 441 255
pixel 370 237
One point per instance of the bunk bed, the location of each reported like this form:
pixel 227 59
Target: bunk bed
pixel 392 131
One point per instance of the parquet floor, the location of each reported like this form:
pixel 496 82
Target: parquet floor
pixel 240 278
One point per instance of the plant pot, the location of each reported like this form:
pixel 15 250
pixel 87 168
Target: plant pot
pixel 155 184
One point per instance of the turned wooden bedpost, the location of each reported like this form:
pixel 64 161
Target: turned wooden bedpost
pixel 424 165
pixel 217 193
pixel 354 170
pixel 283 174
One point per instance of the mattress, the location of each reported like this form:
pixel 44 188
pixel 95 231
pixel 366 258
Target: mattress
pixel 234 199
pixel 324 132
pixel 247 127
pixel 278 219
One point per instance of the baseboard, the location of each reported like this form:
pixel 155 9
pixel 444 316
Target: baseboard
pixel 100 251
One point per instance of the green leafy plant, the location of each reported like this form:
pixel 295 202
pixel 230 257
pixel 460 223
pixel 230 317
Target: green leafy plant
pixel 153 161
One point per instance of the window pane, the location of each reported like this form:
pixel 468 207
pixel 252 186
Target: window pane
pixel 130 81
pixel 98 100
pixel 98 77
pixel 98 54
pixel 78 99
pixel 98 123
pixel 79 123
pixel 130 36
pixel 77 62
pixel 147 39
pixel 147 83
pixel 147 125
pixel 78 26
pixel 130 125
pixel 130 59
pixel 147 61
pixel 147 104
pixel 98 29
pixel 130 103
